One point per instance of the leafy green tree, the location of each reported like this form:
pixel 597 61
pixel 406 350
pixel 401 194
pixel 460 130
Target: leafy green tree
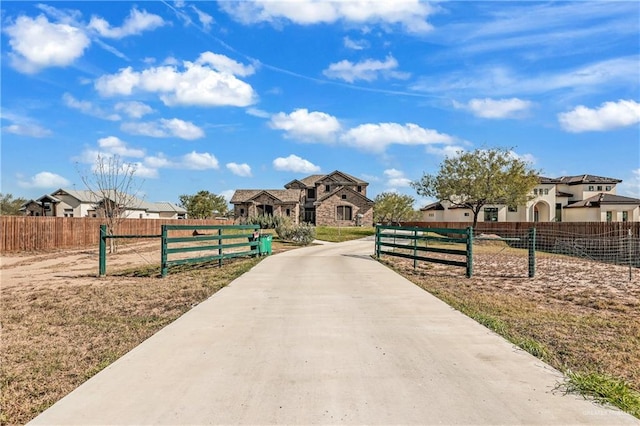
pixel 391 207
pixel 476 178
pixel 10 206
pixel 204 205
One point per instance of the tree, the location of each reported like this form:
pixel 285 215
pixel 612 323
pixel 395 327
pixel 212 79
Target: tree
pixel 484 176
pixel 10 206
pixel 113 184
pixel 204 204
pixel 391 207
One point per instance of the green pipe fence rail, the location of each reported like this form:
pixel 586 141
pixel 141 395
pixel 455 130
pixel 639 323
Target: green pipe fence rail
pixel 226 241
pixel 410 238
pixel 249 238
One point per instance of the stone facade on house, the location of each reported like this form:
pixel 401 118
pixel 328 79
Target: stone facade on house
pixel 336 199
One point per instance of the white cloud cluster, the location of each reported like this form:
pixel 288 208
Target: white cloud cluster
pixel 496 108
pixel 88 108
pixel 610 115
pixel 243 170
pixel 134 109
pixel 396 179
pixel 164 128
pixel 116 146
pixel 410 14
pixel 367 70
pixel 630 186
pixel 38 43
pixel 44 180
pixel 199 161
pixel 210 81
pixel 307 126
pixel 376 137
pixel 355 44
pixel 136 23
pixel 296 164
pixel 23 126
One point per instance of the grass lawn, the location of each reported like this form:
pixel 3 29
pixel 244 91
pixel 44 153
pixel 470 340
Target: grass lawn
pixel 339 234
pixel 588 330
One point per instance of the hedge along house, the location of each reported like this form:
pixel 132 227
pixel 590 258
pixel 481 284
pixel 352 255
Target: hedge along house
pixel 336 199
pixel 582 198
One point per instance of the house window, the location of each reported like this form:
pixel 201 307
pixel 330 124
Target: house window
pixel 466 214
pixel 607 188
pixel 359 188
pixel 288 212
pixel 599 187
pixel 327 188
pixel 513 209
pixel 311 193
pixel 558 212
pixel 591 188
pixel 490 214
pixel 430 214
pixel 609 216
pixel 344 196
pixel 546 192
pixel 241 211
pixel 68 212
pixel 343 213
pixel 535 191
pixel 625 216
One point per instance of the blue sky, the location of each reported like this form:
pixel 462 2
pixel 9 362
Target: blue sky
pixel 226 95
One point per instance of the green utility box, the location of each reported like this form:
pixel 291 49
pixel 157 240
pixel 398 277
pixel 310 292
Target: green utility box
pixel 264 244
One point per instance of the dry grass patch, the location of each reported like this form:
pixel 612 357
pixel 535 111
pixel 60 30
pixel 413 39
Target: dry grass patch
pixel 577 319
pixel 61 324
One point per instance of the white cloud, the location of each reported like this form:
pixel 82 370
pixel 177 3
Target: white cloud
pixel 376 137
pixel 306 126
pixel 134 109
pixel 144 171
pixel 396 179
pixel 164 128
pixel 293 163
pixel 227 194
pixel 367 70
pixel 114 145
pixel 630 187
pixel 258 112
pixel 610 115
pixel 199 161
pixel 205 19
pixel 444 151
pixel 355 44
pixel 31 130
pixel 38 43
pixel 45 180
pixel 137 22
pixel 88 108
pixel 211 81
pixel 496 108
pixel 243 170
pixel 409 14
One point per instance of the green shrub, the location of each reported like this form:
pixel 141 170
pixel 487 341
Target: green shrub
pixel 302 234
pixel 266 221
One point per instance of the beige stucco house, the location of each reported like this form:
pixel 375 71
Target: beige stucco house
pixel 83 203
pixel 336 199
pixel 583 198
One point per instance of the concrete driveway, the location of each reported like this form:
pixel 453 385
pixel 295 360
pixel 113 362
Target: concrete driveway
pixel 325 335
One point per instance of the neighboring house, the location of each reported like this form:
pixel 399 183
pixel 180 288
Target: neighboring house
pixel 83 203
pixel 583 198
pixel 336 199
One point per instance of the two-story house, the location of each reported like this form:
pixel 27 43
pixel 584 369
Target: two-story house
pixel 335 199
pixel 582 198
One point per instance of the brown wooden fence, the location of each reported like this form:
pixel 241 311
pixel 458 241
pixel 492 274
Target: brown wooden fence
pixel 575 228
pixel 37 233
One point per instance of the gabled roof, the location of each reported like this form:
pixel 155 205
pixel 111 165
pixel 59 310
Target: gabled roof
pixel 433 206
pixel 308 182
pixel 282 195
pixel 341 188
pixel 84 196
pixel 349 179
pixel 604 199
pixel 48 198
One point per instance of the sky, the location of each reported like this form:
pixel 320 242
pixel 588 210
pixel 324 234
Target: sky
pixel 229 95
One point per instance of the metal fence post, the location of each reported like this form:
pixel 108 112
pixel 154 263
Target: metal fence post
pixel 377 242
pixel 220 249
pixel 415 250
pixel 532 252
pixel 164 269
pixel 102 266
pixel 630 255
pixel 469 252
